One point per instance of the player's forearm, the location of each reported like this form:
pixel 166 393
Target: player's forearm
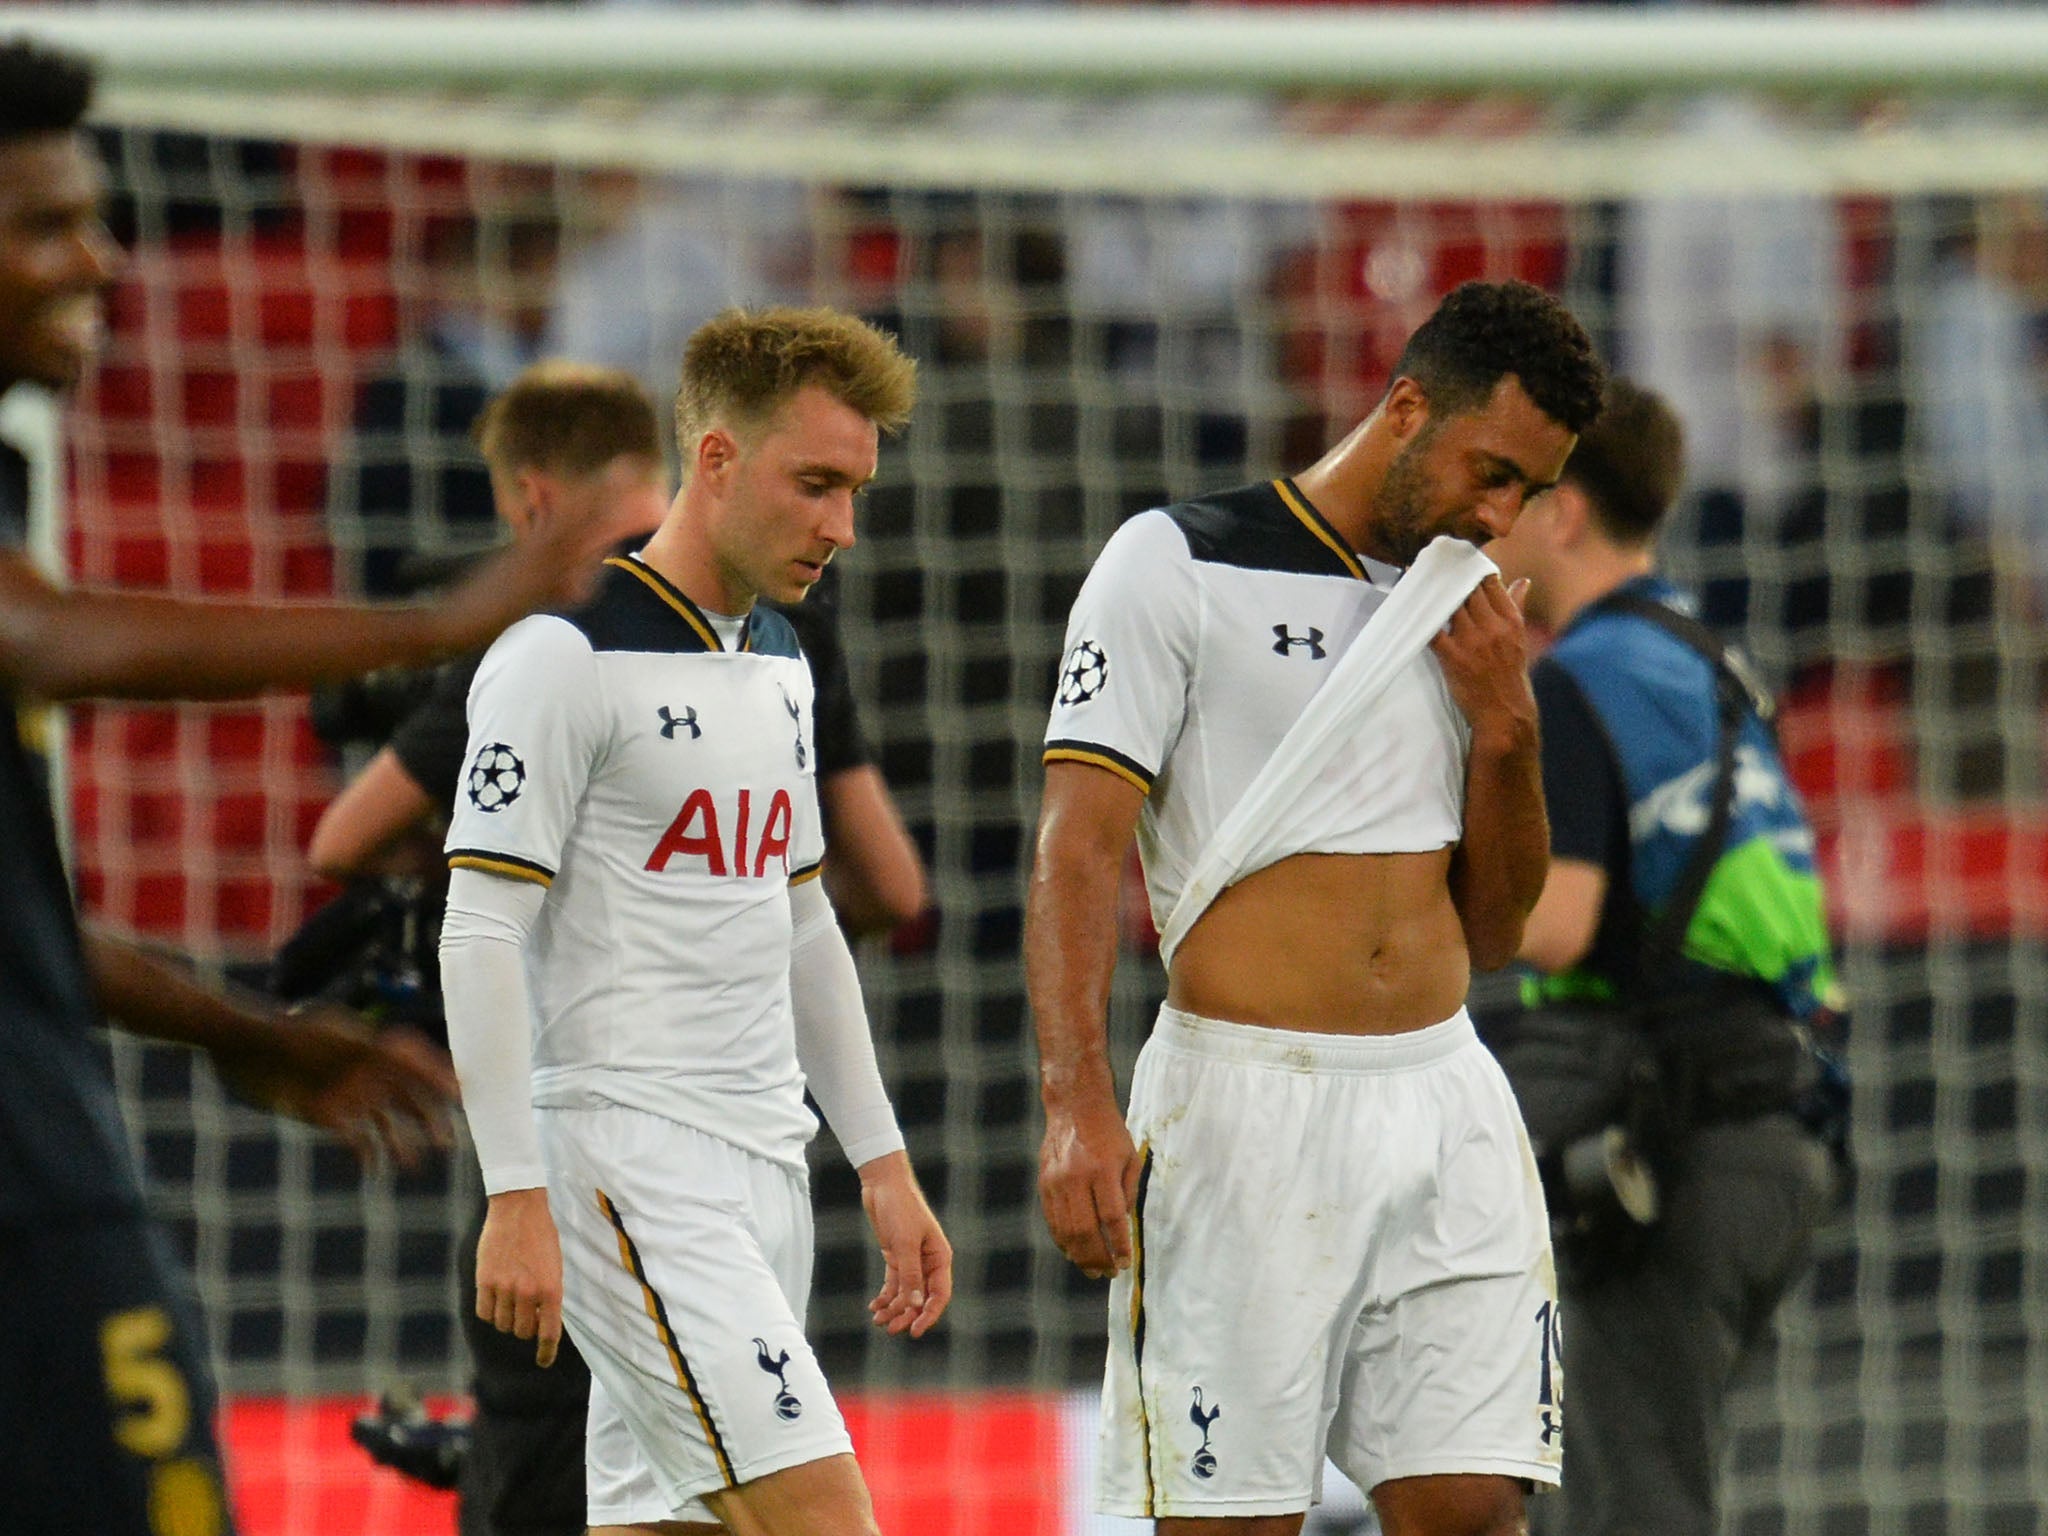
pixel 1069 961
pixel 489 1009
pixel 259 1051
pixel 103 645
pixel 834 1044
pixel 1499 871
pixel 150 993
pixel 56 644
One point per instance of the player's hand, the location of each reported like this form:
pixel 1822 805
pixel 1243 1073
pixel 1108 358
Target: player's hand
pixel 1484 652
pixel 382 1091
pixel 916 1258
pixel 519 1271
pixel 1088 1183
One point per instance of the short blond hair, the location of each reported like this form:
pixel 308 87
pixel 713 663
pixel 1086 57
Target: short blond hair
pixel 742 367
pixel 569 419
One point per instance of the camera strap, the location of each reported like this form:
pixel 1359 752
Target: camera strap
pixel 1735 690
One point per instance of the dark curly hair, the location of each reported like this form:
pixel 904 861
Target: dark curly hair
pixel 42 89
pixel 1484 331
pixel 1630 463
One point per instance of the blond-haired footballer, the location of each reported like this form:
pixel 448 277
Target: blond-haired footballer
pixel 643 975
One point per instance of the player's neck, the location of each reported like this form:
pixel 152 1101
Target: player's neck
pixel 681 553
pixel 1343 483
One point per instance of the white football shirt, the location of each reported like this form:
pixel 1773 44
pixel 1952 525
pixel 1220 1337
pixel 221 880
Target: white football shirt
pixel 1201 633
pixel 663 788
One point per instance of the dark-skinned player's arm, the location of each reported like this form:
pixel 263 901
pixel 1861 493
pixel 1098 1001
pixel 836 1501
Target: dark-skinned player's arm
pixel 1497 872
pixel 379 1090
pixel 57 644
pixel 1087 1165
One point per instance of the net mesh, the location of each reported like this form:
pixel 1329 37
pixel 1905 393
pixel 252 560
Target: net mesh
pixel 307 330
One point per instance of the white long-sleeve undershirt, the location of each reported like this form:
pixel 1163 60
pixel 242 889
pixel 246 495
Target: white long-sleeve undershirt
pixel 834 1044
pixel 490 1021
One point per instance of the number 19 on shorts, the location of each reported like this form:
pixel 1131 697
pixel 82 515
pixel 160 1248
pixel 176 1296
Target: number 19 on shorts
pixel 1550 1372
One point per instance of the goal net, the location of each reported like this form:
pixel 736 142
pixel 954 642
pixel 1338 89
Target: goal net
pixel 1131 264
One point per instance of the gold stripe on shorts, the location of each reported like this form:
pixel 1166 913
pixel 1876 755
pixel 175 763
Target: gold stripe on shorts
pixel 1138 1314
pixel 630 1256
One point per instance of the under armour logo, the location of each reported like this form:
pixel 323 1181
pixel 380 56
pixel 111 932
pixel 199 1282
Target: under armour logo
pixel 670 724
pixel 1553 1427
pixel 1204 1463
pixel 1283 642
pixel 786 1404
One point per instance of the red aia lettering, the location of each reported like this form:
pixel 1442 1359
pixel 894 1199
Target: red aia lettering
pixel 774 834
pixel 681 838
pixel 695 831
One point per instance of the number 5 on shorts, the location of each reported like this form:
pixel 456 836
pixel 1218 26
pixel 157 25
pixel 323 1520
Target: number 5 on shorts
pixel 158 1406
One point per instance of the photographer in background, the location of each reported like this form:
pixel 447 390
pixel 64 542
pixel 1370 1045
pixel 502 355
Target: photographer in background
pixel 1666 796
pixel 578 442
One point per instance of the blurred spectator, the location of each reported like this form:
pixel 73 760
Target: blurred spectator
pixel 410 482
pixel 1977 389
pixel 1731 308
pixel 1978 383
pixel 1170 291
pixel 648 260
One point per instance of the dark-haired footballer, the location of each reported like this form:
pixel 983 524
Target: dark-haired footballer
pixel 105 1399
pixel 1322 1214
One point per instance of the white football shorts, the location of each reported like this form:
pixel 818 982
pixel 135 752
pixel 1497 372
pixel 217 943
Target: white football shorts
pixel 1340 1247
pixel 686 1269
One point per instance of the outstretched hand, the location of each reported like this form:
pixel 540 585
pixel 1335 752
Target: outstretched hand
pixel 916 1258
pixel 382 1091
pixel 1484 652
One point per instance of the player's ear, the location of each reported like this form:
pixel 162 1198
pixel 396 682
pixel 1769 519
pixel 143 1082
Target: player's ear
pixel 507 498
pixel 717 452
pixel 539 490
pixel 512 492
pixel 1406 409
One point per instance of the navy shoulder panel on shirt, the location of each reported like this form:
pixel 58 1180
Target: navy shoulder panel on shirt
pixel 771 634
pixel 634 609
pixel 1257 528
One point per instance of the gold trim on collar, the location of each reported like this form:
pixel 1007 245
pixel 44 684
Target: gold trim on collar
pixel 1315 523
pixel 668 594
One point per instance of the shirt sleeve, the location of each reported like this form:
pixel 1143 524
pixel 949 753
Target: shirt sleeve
pixel 536 734
pixel 1121 694
pixel 432 742
pixel 1582 790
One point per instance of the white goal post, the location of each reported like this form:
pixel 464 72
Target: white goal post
pixel 570 86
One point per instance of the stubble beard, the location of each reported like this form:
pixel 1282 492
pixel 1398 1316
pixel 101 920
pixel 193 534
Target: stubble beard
pixel 1400 509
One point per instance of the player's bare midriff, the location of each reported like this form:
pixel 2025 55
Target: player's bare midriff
pixel 1349 944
